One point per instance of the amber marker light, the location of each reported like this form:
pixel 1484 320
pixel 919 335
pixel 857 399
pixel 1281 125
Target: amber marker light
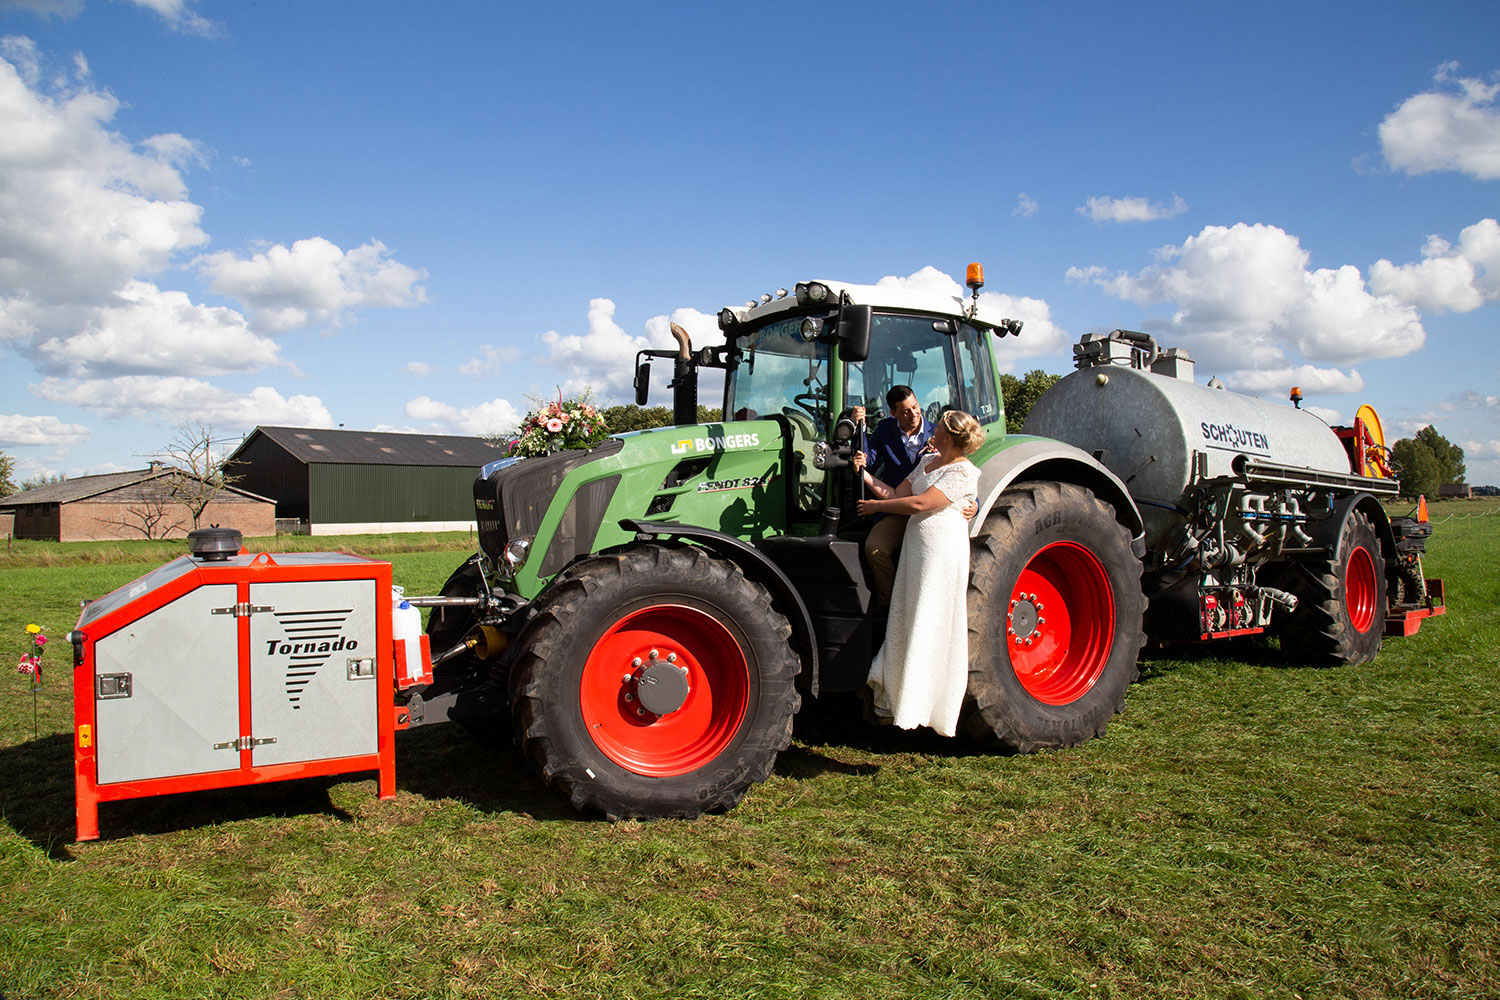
pixel 974 278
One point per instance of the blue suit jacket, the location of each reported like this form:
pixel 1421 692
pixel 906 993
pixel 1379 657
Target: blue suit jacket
pixel 885 452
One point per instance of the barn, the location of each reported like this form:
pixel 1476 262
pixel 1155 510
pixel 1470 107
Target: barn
pixel 342 482
pixel 139 504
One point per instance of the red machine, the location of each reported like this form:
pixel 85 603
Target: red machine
pixel 222 669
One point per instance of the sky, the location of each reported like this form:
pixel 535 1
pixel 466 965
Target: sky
pixel 429 217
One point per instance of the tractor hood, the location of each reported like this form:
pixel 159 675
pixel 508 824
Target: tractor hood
pixel 536 515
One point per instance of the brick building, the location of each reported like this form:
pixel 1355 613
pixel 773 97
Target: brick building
pixel 122 505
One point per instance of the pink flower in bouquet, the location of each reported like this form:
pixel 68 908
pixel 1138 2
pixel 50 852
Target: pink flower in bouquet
pixel 40 640
pixel 554 426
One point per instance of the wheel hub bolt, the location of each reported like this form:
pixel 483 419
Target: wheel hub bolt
pixel 636 662
pixel 671 657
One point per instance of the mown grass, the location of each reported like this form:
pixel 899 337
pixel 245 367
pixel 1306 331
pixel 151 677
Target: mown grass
pixel 21 553
pixel 1248 828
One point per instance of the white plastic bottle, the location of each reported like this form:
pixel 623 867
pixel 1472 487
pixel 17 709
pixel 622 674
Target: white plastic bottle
pixel 406 632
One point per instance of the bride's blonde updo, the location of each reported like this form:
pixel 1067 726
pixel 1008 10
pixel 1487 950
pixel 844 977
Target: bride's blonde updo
pixel 965 431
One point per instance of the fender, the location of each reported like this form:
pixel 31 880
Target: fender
pixel 1049 460
pixel 756 565
pixel 1330 530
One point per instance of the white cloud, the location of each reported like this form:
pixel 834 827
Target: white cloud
pixel 181 17
pixel 81 210
pixel 1447 278
pixel 167 400
pixel 1038 336
pixel 16 429
pixel 1328 416
pixel 1481 449
pixel 421 369
pixel 497 416
pixel 1454 127
pixel 604 358
pixel 1245 299
pixel 1106 209
pixel 152 331
pixel 1026 206
pixel 1329 381
pixel 491 359
pixel 313 281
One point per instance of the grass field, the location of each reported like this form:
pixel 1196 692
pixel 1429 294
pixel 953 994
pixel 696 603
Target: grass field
pixel 1248 828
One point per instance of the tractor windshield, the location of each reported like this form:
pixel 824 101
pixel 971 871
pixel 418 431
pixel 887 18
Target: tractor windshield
pixel 781 374
pixel 945 371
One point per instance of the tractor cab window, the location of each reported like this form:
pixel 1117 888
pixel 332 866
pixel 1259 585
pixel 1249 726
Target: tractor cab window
pixel 945 371
pixel 780 374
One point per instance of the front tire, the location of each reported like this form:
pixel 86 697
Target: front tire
pixel 654 682
pixel 1055 612
pixel 1341 602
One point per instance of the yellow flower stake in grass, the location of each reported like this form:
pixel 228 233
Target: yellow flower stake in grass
pixel 33 629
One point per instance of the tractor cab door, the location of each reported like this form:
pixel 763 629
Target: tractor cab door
pixel 944 362
pixel 781 376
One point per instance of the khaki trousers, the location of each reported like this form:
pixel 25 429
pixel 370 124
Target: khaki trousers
pixel 882 544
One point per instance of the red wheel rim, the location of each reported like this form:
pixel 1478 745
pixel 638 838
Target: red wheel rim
pixel 718 679
pixel 1061 623
pixel 1359 589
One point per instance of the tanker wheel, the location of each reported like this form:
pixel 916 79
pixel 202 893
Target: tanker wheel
pixel 1055 609
pixel 652 682
pixel 1341 602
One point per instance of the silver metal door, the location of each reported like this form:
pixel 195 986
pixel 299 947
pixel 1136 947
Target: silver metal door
pixel 181 695
pixel 312 671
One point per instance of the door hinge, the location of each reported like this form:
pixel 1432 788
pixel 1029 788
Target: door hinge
pixel 245 743
pixel 242 610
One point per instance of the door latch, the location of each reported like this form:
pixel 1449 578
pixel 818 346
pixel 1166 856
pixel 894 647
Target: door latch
pixel 245 743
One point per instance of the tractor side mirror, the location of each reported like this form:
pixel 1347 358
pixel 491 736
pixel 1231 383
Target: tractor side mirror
pixel 854 332
pixel 642 382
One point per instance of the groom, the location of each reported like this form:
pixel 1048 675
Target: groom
pixel 892 452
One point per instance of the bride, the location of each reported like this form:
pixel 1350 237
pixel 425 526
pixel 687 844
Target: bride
pixel 921 673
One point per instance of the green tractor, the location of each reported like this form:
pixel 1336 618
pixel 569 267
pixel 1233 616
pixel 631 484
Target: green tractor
pixel 652 612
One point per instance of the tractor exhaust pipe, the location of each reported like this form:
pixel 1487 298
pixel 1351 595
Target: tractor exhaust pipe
pixel 684 380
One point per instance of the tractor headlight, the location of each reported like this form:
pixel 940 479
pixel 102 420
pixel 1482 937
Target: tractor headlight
pixel 516 551
pixel 727 318
pixel 812 327
pixel 813 293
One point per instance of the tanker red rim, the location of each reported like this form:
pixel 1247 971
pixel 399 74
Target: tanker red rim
pixel 1066 610
pixel 680 741
pixel 1359 589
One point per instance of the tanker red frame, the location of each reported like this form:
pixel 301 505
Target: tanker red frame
pixel 88 793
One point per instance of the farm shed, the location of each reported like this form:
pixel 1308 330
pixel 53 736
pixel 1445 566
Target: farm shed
pixel 139 504
pixel 353 482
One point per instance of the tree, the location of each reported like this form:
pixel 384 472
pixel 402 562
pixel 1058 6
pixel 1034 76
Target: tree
pixel 1450 457
pixel 43 479
pixel 1417 468
pixel 637 418
pixel 196 475
pixel 1021 395
pixel 7 466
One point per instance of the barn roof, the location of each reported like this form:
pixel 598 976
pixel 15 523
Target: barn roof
pixel 127 487
pixel 318 445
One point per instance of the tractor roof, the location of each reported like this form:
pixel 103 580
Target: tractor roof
pixel 881 297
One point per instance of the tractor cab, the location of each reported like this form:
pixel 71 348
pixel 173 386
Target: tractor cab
pixel 812 358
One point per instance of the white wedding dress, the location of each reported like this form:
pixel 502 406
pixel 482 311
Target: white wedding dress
pixel 921 673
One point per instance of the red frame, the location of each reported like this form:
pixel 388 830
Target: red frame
pixel 88 793
pixel 1404 620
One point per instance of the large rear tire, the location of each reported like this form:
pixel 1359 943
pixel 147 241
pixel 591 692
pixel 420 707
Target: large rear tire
pixel 654 682
pixel 1055 612
pixel 1341 602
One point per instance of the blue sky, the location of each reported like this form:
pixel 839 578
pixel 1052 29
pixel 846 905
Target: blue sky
pixel 424 216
